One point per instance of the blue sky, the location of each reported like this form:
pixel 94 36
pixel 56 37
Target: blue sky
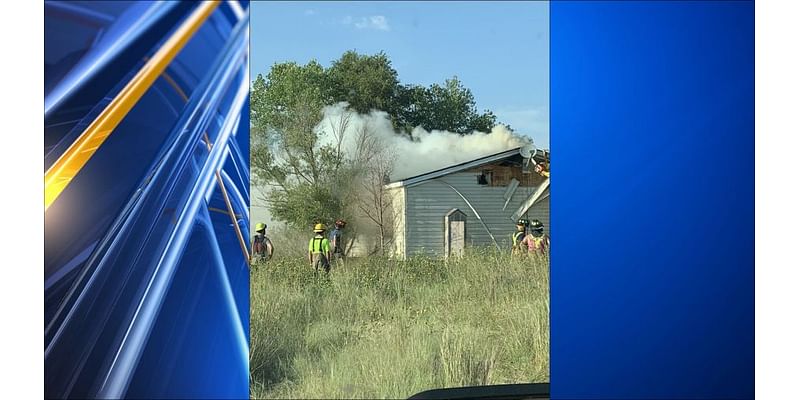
pixel 500 50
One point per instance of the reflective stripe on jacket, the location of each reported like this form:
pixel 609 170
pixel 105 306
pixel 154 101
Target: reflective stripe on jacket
pixel 537 243
pixel 319 245
pixel 516 238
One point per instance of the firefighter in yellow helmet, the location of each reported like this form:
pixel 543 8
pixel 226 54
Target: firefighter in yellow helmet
pixel 261 248
pixel 319 249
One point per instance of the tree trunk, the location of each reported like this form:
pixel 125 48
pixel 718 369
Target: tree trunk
pixel 383 240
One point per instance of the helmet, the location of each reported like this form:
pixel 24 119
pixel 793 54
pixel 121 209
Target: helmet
pixel 261 226
pixel 537 225
pixel 341 222
pixel 522 222
pixel 319 228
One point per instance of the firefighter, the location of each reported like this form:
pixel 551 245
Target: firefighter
pixel 319 249
pixel 337 242
pixel 261 248
pixel 518 236
pixel 536 241
pixel 543 169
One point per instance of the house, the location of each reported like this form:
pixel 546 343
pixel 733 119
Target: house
pixel 475 203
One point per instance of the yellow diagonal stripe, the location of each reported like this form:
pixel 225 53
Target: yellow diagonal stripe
pixel 78 154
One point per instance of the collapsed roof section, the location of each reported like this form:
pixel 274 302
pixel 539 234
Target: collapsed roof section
pixel 539 157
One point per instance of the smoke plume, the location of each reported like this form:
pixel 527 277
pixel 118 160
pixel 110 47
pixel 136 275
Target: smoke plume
pixel 424 151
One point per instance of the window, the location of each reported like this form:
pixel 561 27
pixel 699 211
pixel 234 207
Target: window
pixel 485 178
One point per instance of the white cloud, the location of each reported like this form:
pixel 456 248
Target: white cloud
pixel 310 12
pixel 377 22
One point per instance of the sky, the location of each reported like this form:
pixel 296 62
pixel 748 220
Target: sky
pixel 499 50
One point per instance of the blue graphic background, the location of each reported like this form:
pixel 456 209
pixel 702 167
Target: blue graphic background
pixel 652 121
pixel 146 285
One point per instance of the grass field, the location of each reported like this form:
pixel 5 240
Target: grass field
pixel 378 328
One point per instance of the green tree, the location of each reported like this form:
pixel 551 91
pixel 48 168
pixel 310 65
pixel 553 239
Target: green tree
pixel 366 82
pixel 286 153
pixel 414 108
pixel 308 180
pixel 449 107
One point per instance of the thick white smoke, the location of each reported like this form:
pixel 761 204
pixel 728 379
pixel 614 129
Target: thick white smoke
pixel 427 151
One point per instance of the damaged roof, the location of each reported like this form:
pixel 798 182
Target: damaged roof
pixel 539 156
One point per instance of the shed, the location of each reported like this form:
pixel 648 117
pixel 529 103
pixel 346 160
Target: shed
pixel 475 203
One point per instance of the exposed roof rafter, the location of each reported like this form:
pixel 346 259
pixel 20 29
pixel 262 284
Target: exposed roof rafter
pixel 541 155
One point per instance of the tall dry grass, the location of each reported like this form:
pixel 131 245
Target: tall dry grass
pixel 380 328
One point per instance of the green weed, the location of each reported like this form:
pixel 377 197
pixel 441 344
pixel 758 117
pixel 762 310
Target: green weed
pixel 381 328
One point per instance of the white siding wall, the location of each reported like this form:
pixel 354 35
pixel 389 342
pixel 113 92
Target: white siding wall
pixel 398 198
pixel 428 202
